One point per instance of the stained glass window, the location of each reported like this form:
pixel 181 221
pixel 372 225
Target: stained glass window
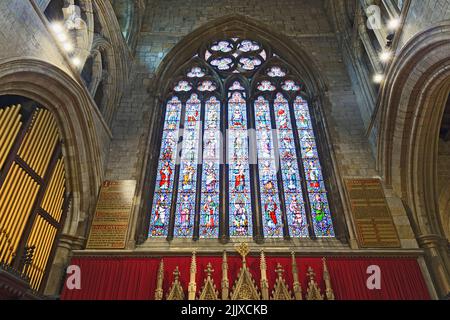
pixel 320 211
pixel 232 87
pixel 240 205
pixel 268 182
pixel 159 221
pixel 294 202
pixel 209 212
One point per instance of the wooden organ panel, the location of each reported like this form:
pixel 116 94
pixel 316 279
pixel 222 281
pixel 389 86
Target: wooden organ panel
pixel 33 197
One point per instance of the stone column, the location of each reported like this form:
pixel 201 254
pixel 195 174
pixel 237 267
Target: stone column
pixel 436 257
pixel 57 274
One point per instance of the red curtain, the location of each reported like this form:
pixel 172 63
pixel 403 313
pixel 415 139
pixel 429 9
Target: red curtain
pixel 127 278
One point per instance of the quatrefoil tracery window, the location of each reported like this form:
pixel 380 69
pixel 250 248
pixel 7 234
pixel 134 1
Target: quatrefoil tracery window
pixel 238 142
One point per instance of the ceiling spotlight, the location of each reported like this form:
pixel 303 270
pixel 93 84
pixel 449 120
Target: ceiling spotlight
pixel 67 46
pixel 378 78
pixel 62 37
pixel 57 27
pixel 394 24
pixel 385 56
pixel 76 62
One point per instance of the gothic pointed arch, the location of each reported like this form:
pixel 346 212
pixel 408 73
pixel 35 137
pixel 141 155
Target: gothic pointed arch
pixel 258 69
pixel 80 128
pixel 410 112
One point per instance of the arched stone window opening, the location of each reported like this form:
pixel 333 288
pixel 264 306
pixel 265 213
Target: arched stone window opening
pixel 239 154
pixel 34 197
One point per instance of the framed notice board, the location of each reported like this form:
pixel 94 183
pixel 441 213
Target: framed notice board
pixel 375 227
pixel 112 215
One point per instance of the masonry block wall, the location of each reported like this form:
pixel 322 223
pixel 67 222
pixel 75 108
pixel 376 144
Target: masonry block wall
pixel 421 15
pixel 23 30
pixel 305 21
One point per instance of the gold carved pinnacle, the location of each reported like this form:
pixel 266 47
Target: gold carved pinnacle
pixel 243 249
pixel 176 274
pixel 279 270
pixel 209 270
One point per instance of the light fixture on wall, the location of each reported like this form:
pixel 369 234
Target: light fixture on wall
pixel 385 55
pixel 393 24
pixel 378 78
pixel 76 61
pixel 61 34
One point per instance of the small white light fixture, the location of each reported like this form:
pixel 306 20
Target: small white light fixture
pixel 393 24
pixel 57 27
pixel 378 78
pixel 385 55
pixel 62 37
pixel 76 61
pixel 67 46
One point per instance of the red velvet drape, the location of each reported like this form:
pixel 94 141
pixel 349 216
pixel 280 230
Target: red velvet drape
pixel 135 278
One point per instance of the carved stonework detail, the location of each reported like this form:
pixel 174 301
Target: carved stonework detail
pixel 244 287
pixel 209 291
pixel 264 282
pixel 313 291
pixel 192 289
pixel 159 282
pixel 176 291
pixel 281 290
pixel 297 287
pixel 225 281
pixel 326 277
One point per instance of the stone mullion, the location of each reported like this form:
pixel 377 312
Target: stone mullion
pixel 276 150
pixel 176 177
pixel 224 177
pixel 258 234
pixel 198 196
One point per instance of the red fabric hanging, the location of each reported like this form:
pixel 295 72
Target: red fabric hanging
pixel 128 278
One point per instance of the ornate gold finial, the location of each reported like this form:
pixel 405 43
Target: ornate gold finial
pixel 209 291
pixel 192 282
pixel 176 274
pixel 209 270
pixel 326 277
pixel 176 291
pixel 263 263
pixel 296 283
pixel 159 283
pixel 279 270
pixel 264 283
pixel 243 249
pixel 311 274
pixel 313 291
pixel 225 282
pixel 280 290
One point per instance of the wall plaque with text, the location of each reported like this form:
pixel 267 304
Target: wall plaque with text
pixel 112 214
pixel 374 224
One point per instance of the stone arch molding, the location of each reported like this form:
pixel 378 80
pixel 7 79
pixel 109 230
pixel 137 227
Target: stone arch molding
pixel 411 107
pixel 294 56
pixel 73 111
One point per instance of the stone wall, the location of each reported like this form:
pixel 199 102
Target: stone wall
pixel 23 35
pixel 421 15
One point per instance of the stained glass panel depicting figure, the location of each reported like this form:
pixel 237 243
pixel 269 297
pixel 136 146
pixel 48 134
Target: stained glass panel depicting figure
pixel 320 211
pixel 294 203
pixel 209 211
pixel 187 188
pixel 268 182
pixel 159 219
pixel 240 212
